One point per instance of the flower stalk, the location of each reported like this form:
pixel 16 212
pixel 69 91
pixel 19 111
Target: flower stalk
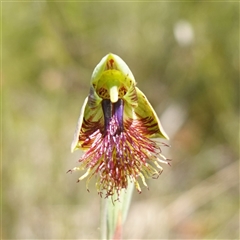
pixel 114 214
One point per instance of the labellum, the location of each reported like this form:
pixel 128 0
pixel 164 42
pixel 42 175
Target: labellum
pixel 115 130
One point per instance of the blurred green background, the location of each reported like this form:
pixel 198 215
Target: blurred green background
pixel 185 58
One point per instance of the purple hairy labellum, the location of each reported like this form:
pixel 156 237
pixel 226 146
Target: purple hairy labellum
pixel 116 128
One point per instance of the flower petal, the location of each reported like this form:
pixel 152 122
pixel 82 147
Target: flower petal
pixel 146 113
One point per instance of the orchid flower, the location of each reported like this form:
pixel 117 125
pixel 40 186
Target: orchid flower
pixel 115 130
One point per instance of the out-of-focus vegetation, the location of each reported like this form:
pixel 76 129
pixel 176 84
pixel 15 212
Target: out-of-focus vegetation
pixel 185 58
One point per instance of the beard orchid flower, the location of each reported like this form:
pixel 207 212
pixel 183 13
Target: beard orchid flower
pixel 115 130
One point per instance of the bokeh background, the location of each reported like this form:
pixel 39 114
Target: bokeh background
pixel 185 58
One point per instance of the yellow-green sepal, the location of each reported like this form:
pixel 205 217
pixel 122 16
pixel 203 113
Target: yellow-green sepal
pixel 78 127
pixel 145 112
pixel 111 61
pixel 91 114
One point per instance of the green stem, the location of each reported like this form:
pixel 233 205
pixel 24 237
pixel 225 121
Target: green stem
pixel 103 220
pixel 114 213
